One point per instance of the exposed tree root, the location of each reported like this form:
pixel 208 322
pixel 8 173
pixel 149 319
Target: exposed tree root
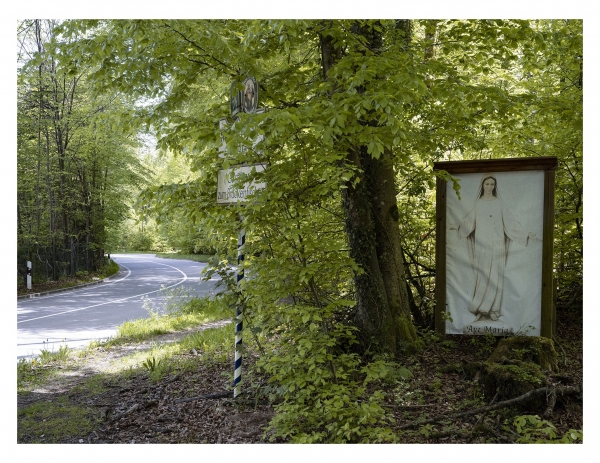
pixel 133 408
pixel 551 399
pixel 214 395
pixel 555 390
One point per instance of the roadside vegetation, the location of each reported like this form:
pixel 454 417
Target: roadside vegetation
pixel 180 255
pixel 176 311
pixel 56 389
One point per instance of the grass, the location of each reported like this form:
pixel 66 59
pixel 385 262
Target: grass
pixel 94 385
pixel 60 355
pixel 30 375
pixel 110 269
pixel 177 255
pixel 36 371
pixel 213 346
pixel 172 317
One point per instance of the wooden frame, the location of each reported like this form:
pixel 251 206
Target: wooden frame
pixel 547 166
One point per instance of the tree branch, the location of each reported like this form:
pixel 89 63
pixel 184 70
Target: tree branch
pixel 214 395
pixel 194 44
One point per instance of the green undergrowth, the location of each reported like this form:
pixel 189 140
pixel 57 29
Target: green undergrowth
pixel 322 394
pixel 35 371
pixel 534 430
pixel 110 269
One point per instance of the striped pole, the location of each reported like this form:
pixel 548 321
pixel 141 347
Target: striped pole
pixel 239 325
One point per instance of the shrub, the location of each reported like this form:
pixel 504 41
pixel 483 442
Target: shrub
pixel 321 393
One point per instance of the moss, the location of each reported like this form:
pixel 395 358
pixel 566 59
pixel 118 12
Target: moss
pixel 387 337
pixel 518 365
pixel 55 422
pixel 511 380
pixel 408 339
pixel 535 349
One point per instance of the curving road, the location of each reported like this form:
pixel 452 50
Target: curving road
pixel 76 317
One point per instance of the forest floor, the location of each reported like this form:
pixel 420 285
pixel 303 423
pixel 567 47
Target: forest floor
pixel 105 405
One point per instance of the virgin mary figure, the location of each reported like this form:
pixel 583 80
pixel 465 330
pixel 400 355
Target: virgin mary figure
pixel 490 229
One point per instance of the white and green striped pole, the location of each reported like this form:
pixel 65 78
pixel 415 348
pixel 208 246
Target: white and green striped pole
pixel 239 324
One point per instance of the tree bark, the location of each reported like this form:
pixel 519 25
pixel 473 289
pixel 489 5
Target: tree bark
pixel 382 186
pixel 373 316
pixel 371 222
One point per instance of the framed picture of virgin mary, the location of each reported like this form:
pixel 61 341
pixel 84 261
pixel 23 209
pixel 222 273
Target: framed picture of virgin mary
pixel 494 247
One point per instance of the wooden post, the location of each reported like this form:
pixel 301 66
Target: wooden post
pixel 548 308
pixel 440 257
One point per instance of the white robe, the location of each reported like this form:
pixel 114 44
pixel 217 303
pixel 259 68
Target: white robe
pixel 489 228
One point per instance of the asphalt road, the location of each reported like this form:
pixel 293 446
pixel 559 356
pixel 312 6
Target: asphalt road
pixel 74 318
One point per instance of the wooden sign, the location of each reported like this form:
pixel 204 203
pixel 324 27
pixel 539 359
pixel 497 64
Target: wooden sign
pixel 494 247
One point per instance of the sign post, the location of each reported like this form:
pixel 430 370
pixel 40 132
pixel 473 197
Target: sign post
pixel 228 192
pixel 239 323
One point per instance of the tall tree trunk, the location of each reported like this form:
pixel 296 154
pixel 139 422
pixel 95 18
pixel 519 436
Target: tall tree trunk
pixel 371 222
pixel 382 187
pixel 373 316
pixel 50 206
pixel 38 208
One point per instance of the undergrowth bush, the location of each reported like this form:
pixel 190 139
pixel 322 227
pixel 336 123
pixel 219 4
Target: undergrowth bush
pixel 534 430
pixel 321 393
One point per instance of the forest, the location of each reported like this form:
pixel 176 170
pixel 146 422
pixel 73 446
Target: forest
pixel 119 145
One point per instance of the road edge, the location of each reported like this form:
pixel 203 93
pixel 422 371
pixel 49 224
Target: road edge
pixel 70 288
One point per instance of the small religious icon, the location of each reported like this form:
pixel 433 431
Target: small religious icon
pixel 250 100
